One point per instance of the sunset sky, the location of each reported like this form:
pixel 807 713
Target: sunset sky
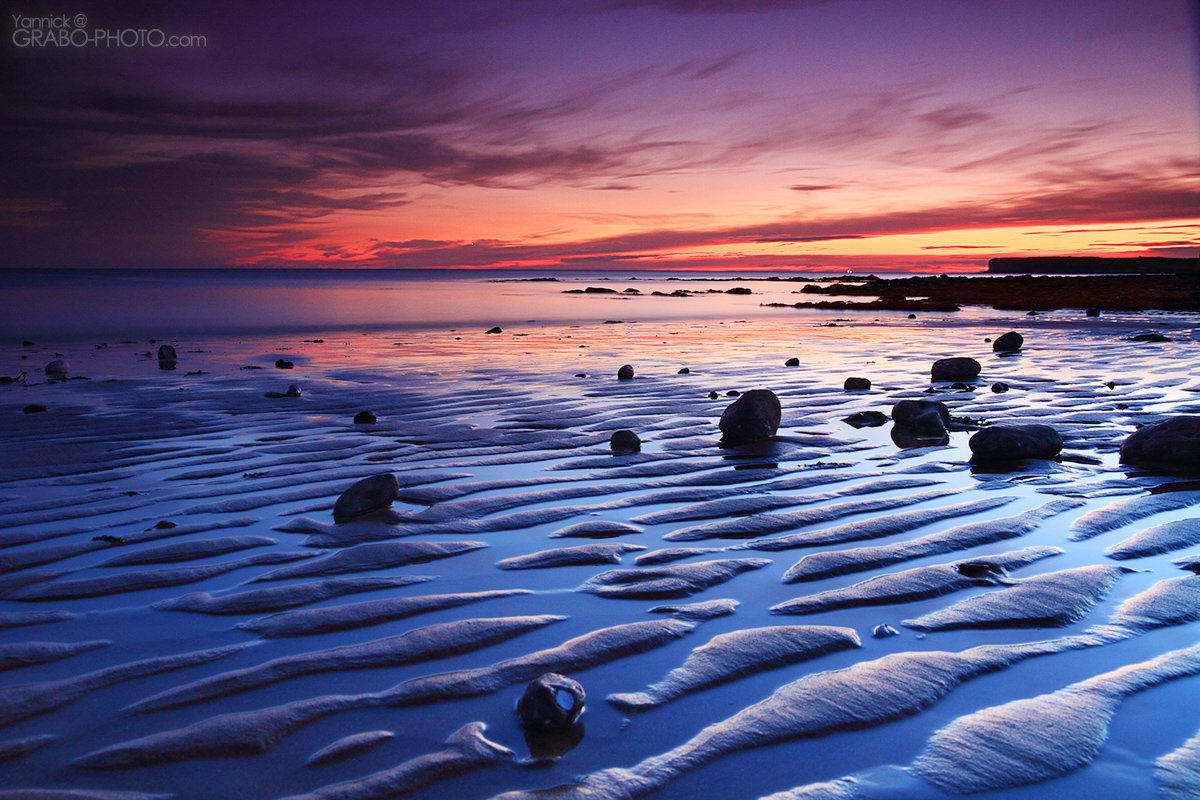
pixel 745 134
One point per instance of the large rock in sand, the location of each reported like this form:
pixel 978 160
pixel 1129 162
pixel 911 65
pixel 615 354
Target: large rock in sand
pixel 924 414
pixel 1012 442
pixel 58 369
pixel 753 417
pixel 1173 443
pixel 1008 343
pixel 551 701
pixel 366 496
pixel 954 369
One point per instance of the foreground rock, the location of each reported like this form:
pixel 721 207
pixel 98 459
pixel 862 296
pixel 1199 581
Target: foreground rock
pixel 753 417
pixel 1014 442
pixel 1173 444
pixel 58 369
pixel 366 497
pixel 624 441
pixel 551 701
pixel 954 369
pixel 1008 343
pixel 920 423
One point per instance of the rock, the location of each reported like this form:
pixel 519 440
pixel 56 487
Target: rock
pixel 962 387
pixel 1172 443
pixel 1011 442
pixel 753 417
pixel 580 374
pixel 26 343
pixel 884 631
pixel 866 419
pixel 856 384
pixel 292 391
pixel 999 387
pixel 1008 343
pixel 34 408
pixel 166 353
pixel 625 373
pixel 912 316
pixel 366 497
pixel 281 364
pixel 684 371
pixel 1093 312
pixel 713 395
pixel 58 369
pixel 625 442
pixel 792 362
pixel 954 369
pixel 365 418
pixel 1031 313
pixel 551 701
pixel 738 290
pixel 1149 337
pixel 915 413
pixel 496 329
pixel 920 423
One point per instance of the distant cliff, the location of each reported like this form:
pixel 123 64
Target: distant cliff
pixel 1094 265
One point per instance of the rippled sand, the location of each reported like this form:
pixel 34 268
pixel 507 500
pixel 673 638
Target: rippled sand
pixel 180 615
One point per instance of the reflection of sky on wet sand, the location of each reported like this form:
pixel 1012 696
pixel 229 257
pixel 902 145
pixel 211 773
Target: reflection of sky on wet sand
pixel 165 303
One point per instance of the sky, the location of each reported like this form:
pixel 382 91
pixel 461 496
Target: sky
pixel 778 135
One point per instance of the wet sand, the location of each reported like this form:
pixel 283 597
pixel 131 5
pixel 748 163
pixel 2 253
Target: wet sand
pixel 180 615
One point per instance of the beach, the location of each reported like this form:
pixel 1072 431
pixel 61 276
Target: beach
pixel 151 504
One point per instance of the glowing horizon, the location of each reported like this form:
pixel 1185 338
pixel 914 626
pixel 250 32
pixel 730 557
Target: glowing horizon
pixel 657 134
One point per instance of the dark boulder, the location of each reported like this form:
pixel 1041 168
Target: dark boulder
pixel 166 353
pixel 713 395
pixel 866 419
pixel 999 387
pixel 753 417
pixel 281 364
pixel 920 423
pixel 1173 443
pixel 684 371
pixel 792 362
pixel 856 384
pixel 954 369
pixel 365 418
pixel 1008 343
pixel 1149 337
pixel 551 701
pixel 366 497
pixel 917 413
pixel 625 373
pixel 1012 442
pixel 1092 312
pixel 496 329
pixel 292 391
pixel 34 408
pixel 625 442
pixel 738 290
pixel 58 369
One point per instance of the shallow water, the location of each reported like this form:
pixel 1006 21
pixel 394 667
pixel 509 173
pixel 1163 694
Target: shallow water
pixel 136 444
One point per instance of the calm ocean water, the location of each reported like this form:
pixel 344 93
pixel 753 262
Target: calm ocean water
pixel 112 303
